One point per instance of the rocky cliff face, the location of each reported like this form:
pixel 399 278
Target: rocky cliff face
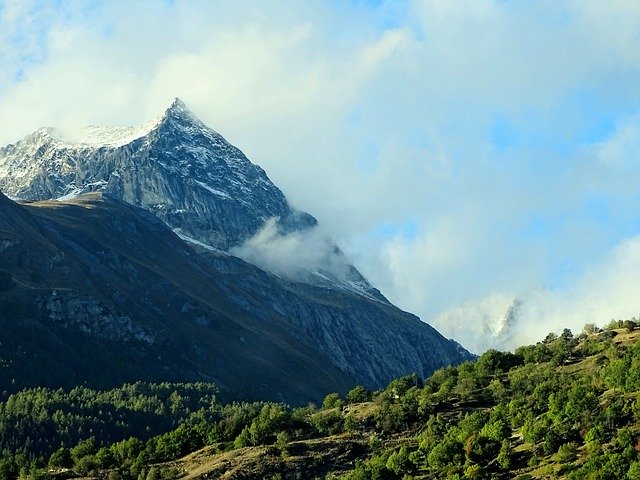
pixel 370 340
pixel 115 273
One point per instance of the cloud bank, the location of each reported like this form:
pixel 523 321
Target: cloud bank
pixel 293 255
pixel 463 154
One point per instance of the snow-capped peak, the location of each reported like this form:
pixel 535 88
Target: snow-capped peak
pixel 178 107
pixel 115 136
pixel 178 116
pixel 177 112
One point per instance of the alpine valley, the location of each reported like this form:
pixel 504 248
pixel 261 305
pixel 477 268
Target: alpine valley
pixel 125 255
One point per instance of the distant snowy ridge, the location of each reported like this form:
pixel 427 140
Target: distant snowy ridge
pixel 489 323
pixel 113 136
pixel 105 136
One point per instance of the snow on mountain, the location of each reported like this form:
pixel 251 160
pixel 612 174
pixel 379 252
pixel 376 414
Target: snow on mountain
pixel 186 174
pixel 113 136
pixel 492 322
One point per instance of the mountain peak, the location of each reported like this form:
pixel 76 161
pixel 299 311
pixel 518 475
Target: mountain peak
pixel 177 107
pixel 178 110
pixel 177 104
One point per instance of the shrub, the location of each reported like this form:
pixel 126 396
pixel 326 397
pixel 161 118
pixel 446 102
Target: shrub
pixel 327 422
pixel 332 400
pixel 358 394
pixel 567 452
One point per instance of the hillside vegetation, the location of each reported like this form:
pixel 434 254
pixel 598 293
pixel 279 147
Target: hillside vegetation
pixel 567 407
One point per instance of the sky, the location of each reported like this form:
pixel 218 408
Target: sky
pixel 465 155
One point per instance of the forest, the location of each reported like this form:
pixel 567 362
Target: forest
pixel 566 407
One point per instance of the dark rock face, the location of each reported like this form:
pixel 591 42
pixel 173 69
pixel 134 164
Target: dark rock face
pixel 370 340
pixel 94 271
pixel 104 294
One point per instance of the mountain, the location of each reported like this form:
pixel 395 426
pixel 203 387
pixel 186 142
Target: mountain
pixel 125 275
pixel 105 293
pixel 493 322
pixel 176 167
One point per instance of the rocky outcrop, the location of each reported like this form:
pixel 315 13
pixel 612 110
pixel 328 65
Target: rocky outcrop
pixel 90 316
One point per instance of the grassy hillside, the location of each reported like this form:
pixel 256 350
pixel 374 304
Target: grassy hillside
pixel 567 407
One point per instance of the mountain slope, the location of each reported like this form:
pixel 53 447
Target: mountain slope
pixel 566 408
pixel 114 295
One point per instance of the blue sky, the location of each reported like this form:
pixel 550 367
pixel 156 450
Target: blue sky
pixel 464 154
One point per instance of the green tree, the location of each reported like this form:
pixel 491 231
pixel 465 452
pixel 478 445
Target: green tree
pixel 61 458
pixel 8 469
pixel 590 328
pixel 505 455
pixel 84 448
pixel 358 394
pixel 152 474
pixel 447 452
pixel 85 465
pixel 332 400
pixel 634 471
pixel 282 442
pixel 105 458
pixel 398 462
pixel 567 452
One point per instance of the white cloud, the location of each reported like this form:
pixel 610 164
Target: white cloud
pixel 480 325
pixel 606 290
pixel 622 149
pixel 293 255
